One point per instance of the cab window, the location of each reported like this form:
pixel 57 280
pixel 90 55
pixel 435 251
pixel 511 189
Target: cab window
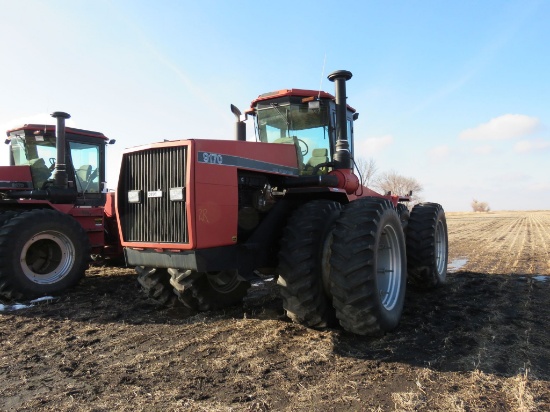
pixel 85 158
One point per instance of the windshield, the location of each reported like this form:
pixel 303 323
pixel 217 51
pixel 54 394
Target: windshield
pixel 305 125
pixel 38 152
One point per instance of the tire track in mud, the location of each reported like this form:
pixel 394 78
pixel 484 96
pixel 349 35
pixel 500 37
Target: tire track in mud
pixel 500 325
pixel 508 309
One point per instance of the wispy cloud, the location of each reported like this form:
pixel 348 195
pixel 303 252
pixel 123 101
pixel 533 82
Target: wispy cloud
pixel 439 153
pixel 374 144
pixel 483 150
pixel 526 146
pixel 508 126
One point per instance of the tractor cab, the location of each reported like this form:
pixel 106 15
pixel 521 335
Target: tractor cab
pixel 33 150
pixel 306 119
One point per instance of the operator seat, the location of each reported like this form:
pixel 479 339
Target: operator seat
pixel 82 176
pixel 318 157
pixel 40 172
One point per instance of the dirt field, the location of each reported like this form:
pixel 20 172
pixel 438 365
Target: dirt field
pixel 479 343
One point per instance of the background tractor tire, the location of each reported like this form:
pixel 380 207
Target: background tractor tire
pixel 404 215
pixel 43 253
pixel 427 245
pixel 208 291
pixel 368 267
pixel 303 263
pixel 155 282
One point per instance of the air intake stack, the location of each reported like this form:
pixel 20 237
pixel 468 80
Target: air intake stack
pixel 342 156
pixel 60 173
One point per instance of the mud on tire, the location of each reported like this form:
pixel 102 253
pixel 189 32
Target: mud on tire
pixel 427 245
pixel 43 252
pixel 303 264
pixel 155 282
pixel 368 267
pixel 208 291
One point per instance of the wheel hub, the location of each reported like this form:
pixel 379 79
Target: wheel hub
pixel 47 257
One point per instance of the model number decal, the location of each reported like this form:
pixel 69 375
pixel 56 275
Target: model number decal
pixel 245 163
pixel 212 158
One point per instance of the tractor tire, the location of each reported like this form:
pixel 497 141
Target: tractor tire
pixel 427 246
pixel 304 264
pixel 155 282
pixel 208 291
pixel 43 251
pixel 404 215
pixel 368 267
pixel 6 215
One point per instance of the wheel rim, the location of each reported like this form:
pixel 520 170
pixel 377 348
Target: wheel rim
pixel 47 257
pixel 389 268
pixel 440 247
pixel 223 282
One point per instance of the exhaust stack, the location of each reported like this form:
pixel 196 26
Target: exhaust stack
pixel 342 156
pixel 60 173
pixel 240 126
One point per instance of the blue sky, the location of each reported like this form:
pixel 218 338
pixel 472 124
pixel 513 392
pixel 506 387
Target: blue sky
pixel 454 94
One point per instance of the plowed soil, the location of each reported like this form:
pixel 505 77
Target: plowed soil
pixel 481 342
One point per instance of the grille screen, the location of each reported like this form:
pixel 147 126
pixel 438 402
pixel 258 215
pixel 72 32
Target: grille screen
pixel 156 218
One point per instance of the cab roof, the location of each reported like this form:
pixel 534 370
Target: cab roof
pixel 50 129
pixel 312 94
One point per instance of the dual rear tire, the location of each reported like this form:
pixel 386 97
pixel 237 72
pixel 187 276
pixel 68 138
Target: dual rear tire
pixel 44 252
pixel 344 263
pixel 368 267
pixel 350 263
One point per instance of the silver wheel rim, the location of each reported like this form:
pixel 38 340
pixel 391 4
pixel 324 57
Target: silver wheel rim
pixel 389 268
pixel 47 257
pixel 440 248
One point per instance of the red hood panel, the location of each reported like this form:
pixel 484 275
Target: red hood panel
pixel 15 178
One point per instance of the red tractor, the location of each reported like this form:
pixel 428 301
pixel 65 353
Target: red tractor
pixel 200 219
pixel 54 210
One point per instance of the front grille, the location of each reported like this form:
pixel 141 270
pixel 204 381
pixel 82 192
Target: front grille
pixel 153 219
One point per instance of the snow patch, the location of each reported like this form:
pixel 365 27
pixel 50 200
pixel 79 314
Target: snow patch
pixel 456 264
pixel 18 306
pixel 541 278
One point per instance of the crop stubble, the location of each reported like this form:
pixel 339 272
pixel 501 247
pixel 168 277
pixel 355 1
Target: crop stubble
pixel 478 343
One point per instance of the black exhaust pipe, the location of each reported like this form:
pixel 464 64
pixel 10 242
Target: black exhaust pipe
pixel 60 173
pixel 240 126
pixel 342 155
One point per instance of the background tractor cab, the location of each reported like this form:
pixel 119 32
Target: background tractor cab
pixel 304 118
pixel 33 157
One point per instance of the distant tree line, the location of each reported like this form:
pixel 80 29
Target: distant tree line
pixel 478 206
pixel 388 182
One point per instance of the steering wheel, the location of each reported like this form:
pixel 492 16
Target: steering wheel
pixel 304 151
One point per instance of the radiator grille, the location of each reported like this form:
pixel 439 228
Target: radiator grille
pixel 154 219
